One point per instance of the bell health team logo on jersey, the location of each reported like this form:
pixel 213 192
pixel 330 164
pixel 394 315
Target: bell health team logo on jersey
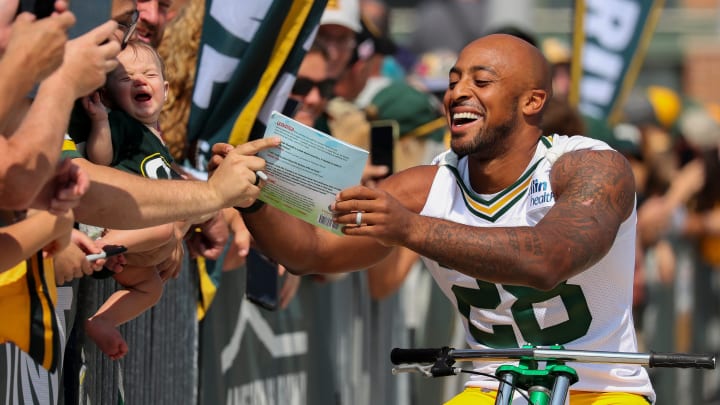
pixel 540 194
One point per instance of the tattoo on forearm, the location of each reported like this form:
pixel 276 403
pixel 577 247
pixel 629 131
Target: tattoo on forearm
pixel 595 194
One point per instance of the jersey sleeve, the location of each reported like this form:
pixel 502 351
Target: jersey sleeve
pixel 69 149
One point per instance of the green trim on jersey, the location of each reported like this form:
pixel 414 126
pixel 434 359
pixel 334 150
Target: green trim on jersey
pixel 495 207
pixel 547 141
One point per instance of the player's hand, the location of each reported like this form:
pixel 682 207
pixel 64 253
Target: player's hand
pixel 382 216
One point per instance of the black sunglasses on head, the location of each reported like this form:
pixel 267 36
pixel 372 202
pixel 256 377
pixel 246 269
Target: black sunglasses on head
pixel 303 86
pixel 128 24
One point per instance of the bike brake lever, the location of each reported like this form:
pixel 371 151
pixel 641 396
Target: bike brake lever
pixel 424 370
pixel 412 368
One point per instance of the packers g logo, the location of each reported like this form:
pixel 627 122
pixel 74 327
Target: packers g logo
pixel 155 167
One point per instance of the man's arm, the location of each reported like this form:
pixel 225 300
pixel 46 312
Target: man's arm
pixel 32 151
pixel 34 49
pixel 304 248
pixel 122 200
pixel 22 239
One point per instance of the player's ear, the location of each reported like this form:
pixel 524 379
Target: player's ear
pixel 534 101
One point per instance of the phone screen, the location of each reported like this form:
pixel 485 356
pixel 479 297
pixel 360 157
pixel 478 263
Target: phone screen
pixel 261 287
pixel 41 8
pixel 88 15
pixel 382 142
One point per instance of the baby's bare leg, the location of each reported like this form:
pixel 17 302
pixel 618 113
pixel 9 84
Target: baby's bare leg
pixel 143 288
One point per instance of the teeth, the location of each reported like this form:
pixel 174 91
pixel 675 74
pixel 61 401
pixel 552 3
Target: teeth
pixel 465 115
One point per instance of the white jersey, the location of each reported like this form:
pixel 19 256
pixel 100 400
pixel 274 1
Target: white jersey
pixel 591 311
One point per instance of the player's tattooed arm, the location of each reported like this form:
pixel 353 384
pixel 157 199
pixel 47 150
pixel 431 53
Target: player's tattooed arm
pixel 594 192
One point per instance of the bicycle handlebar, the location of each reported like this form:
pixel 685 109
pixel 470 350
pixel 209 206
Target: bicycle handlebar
pixel 678 360
pixel 407 356
pixel 682 360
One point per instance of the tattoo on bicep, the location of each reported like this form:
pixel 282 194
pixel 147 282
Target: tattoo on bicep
pixel 597 178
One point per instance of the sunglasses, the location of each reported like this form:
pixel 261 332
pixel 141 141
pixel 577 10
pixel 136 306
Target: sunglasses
pixel 129 27
pixel 303 86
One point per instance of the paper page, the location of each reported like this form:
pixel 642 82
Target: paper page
pixel 308 170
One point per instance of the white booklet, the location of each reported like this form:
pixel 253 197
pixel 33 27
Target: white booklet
pixel 307 170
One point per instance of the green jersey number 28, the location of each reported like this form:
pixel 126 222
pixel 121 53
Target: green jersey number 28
pixel 487 296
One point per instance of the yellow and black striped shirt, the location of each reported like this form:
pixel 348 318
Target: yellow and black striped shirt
pixel 27 299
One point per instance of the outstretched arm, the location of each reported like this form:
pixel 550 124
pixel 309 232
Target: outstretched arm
pixel 122 200
pixel 304 248
pixel 594 191
pixel 299 246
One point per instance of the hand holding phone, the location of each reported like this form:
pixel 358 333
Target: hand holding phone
pixel 261 287
pixel 41 8
pixel 383 135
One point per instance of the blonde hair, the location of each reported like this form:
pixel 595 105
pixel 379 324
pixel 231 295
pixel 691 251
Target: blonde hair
pixel 179 50
pixel 136 46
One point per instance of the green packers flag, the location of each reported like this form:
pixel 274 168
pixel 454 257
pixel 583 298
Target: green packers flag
pixel 610 38
pixel 249 53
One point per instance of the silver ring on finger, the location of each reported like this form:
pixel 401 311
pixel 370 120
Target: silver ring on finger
pixel 358 218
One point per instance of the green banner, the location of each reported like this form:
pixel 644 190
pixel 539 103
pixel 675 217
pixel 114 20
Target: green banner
pixel 610 39
pixel 249 53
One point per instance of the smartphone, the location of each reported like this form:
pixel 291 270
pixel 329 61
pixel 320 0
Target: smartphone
pixel 41 8
pixel 261 280
pixel 89 14
pixel 291 107
pixel 383 135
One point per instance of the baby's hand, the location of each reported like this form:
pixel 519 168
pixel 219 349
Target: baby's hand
pixel 94 107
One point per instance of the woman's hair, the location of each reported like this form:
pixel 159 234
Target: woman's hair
pixel 179 49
